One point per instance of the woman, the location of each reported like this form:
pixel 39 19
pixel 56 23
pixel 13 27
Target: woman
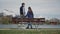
pixel 29 15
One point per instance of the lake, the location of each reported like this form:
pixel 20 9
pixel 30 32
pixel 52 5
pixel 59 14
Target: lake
pixel 25 25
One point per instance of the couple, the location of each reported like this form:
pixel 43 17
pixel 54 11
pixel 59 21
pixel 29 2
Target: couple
pixel 29 14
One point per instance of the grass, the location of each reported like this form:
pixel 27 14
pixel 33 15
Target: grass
pixel 30 31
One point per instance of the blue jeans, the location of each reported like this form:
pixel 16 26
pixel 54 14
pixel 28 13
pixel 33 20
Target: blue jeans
pixel 29 24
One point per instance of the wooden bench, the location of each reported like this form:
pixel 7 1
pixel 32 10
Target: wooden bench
pixel 37 20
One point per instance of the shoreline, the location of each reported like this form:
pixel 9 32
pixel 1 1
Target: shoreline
pixel 30 29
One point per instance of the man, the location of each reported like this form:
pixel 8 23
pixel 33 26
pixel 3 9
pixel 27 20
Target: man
pixel 22 13
pixel 22 10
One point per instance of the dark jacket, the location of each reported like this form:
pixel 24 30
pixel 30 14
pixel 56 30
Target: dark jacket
pixel 21 10
pixel 30 15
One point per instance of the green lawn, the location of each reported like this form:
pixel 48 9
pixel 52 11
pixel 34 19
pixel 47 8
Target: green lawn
pixel 30 31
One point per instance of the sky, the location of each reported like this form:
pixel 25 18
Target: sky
pixel 41 8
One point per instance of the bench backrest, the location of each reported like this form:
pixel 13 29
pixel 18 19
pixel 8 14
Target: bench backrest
pixel 28 19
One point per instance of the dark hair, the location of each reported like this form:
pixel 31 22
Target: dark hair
pixel 30 8
pixel 23 3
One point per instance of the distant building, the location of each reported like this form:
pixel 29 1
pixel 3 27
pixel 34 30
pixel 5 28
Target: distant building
pixel 54 21
pixel 1 14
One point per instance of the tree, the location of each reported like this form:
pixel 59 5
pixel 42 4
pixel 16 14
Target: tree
pixel 6 20
pixel 47 22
